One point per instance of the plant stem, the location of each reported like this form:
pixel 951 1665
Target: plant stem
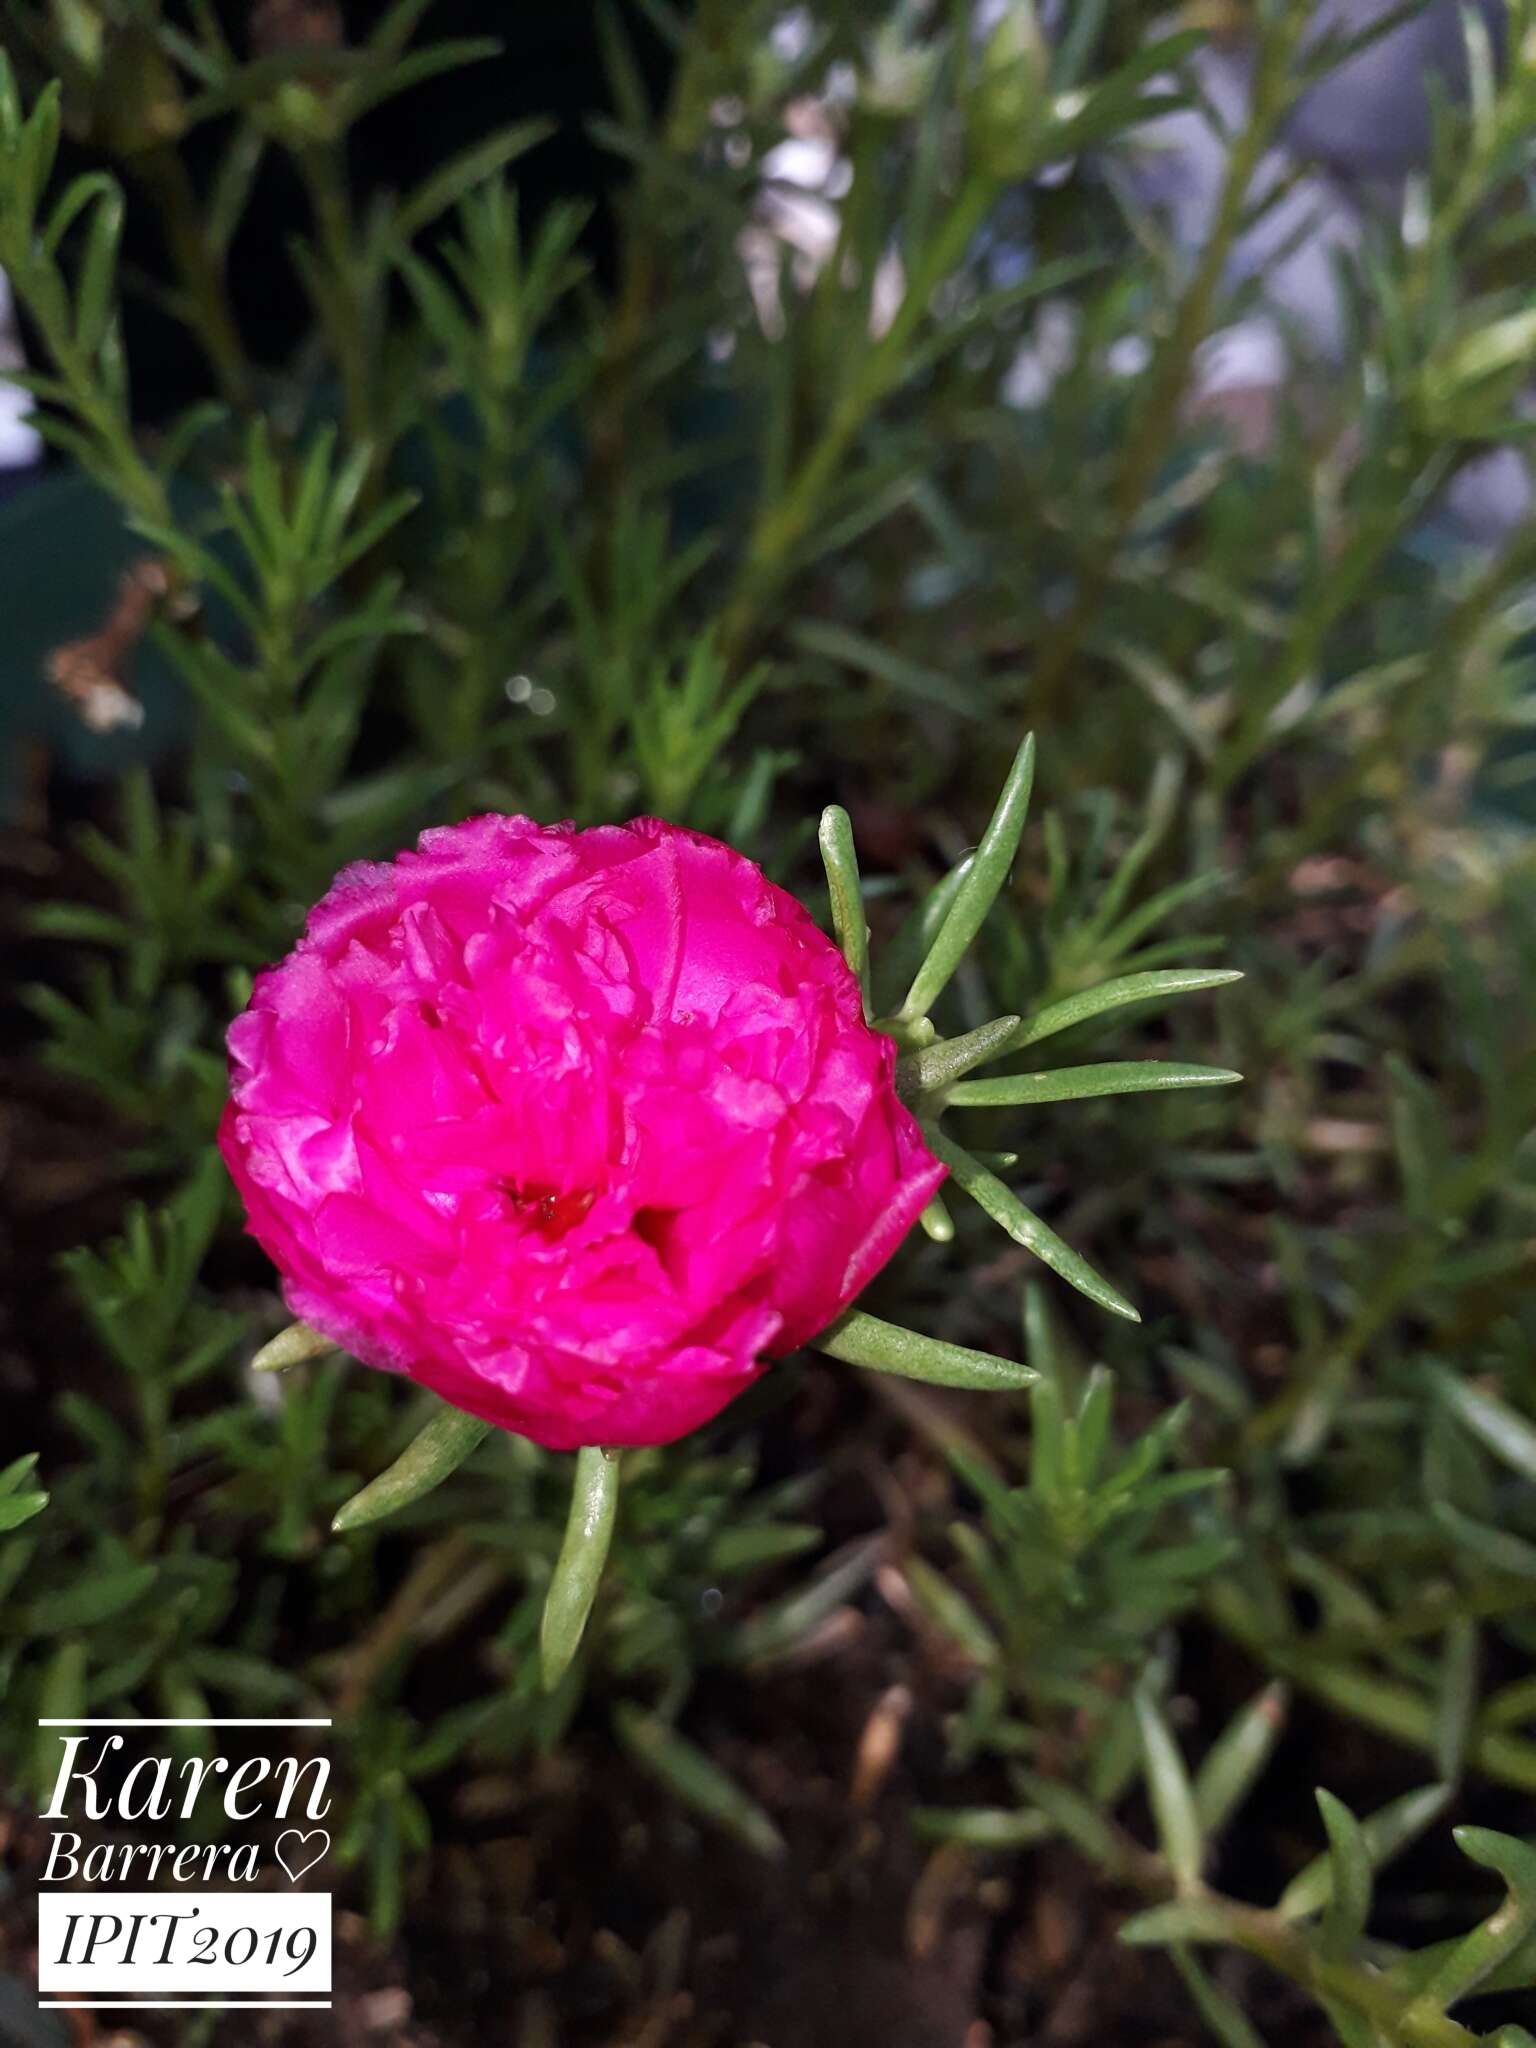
pixel 631 322
pixel 344 313
pixel 1362 556
pixel 783 524
pixel 142 490
pixel 1158 414
pixel 1287 1949
pixel 1443 665
pixel 164 176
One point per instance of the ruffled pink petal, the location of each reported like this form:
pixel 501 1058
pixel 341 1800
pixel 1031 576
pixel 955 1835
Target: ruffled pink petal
pixel 575 1128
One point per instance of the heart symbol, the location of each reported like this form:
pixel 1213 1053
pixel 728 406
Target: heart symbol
pixel 302 1861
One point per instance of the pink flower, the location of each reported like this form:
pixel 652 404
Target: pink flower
pixel 577 1129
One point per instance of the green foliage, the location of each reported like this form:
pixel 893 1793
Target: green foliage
pixel 19 1501
pixel 1068 1576
pixel 736 536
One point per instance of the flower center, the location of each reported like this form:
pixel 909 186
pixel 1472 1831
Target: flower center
pixel 551 1213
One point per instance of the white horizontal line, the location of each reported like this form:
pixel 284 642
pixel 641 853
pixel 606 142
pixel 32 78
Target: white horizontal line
pixel 149 1721
pixel 189 2004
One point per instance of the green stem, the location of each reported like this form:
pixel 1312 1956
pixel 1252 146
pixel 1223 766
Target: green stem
pixel 322 167
pixel 1158 418
pixel 643 277
pixel 164 175
pixel 781 526
pixel 440 1572
pixel 1349 575
pixel 1290 1950
pixel 1444 665
pixel 1352 1984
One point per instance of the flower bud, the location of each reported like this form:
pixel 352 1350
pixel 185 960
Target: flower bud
pixel 1008 103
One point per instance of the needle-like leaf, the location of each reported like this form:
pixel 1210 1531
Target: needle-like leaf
pixel 1173 1801
pixel 1191 1920
pixel 426 1462
pixel 579 1567
pixel 1115 995
pixel 1023 1225
pixel 976 894
pixel 1385 1834
pixel 1237 1757
pixel 1477 1955
pixel 859 1339
pixel 292 1346
pixel 842 865
pixel 1507 1434
pixel 1077 1084
pixel 696 1778
pixel 1500 1550
pixel 1349 1900
pixel 1224 2017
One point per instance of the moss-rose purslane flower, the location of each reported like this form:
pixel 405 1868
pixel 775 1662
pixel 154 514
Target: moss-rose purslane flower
pixel 577 1129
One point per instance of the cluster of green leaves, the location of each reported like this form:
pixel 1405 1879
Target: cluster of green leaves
pixel 1075 1571
pixel 694 1539
pixel 931 1077
pixel 727 540
pixel 1376 1993
pixel 1072 1576
pixel 190 1513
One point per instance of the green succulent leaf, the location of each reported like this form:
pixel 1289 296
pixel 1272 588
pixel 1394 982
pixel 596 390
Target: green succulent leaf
pixel 696 1779
pixel 1149 987
pixel 579 1568
pixel 294 1346
pixel 428 1460
pixel 1023 1225
pixel 842 867
pixel 1493 1422
pixel 860 1339
pixel 1173 1801
pixel 1079 1084
pixel 1236 1759
pixel 976 894
pixel 1349 1897
pixel 1382 1835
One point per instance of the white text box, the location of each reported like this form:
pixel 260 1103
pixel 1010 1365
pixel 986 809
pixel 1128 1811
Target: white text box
pixel 186 1943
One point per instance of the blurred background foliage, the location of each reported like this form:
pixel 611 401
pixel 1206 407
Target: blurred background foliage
pixel 820 396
